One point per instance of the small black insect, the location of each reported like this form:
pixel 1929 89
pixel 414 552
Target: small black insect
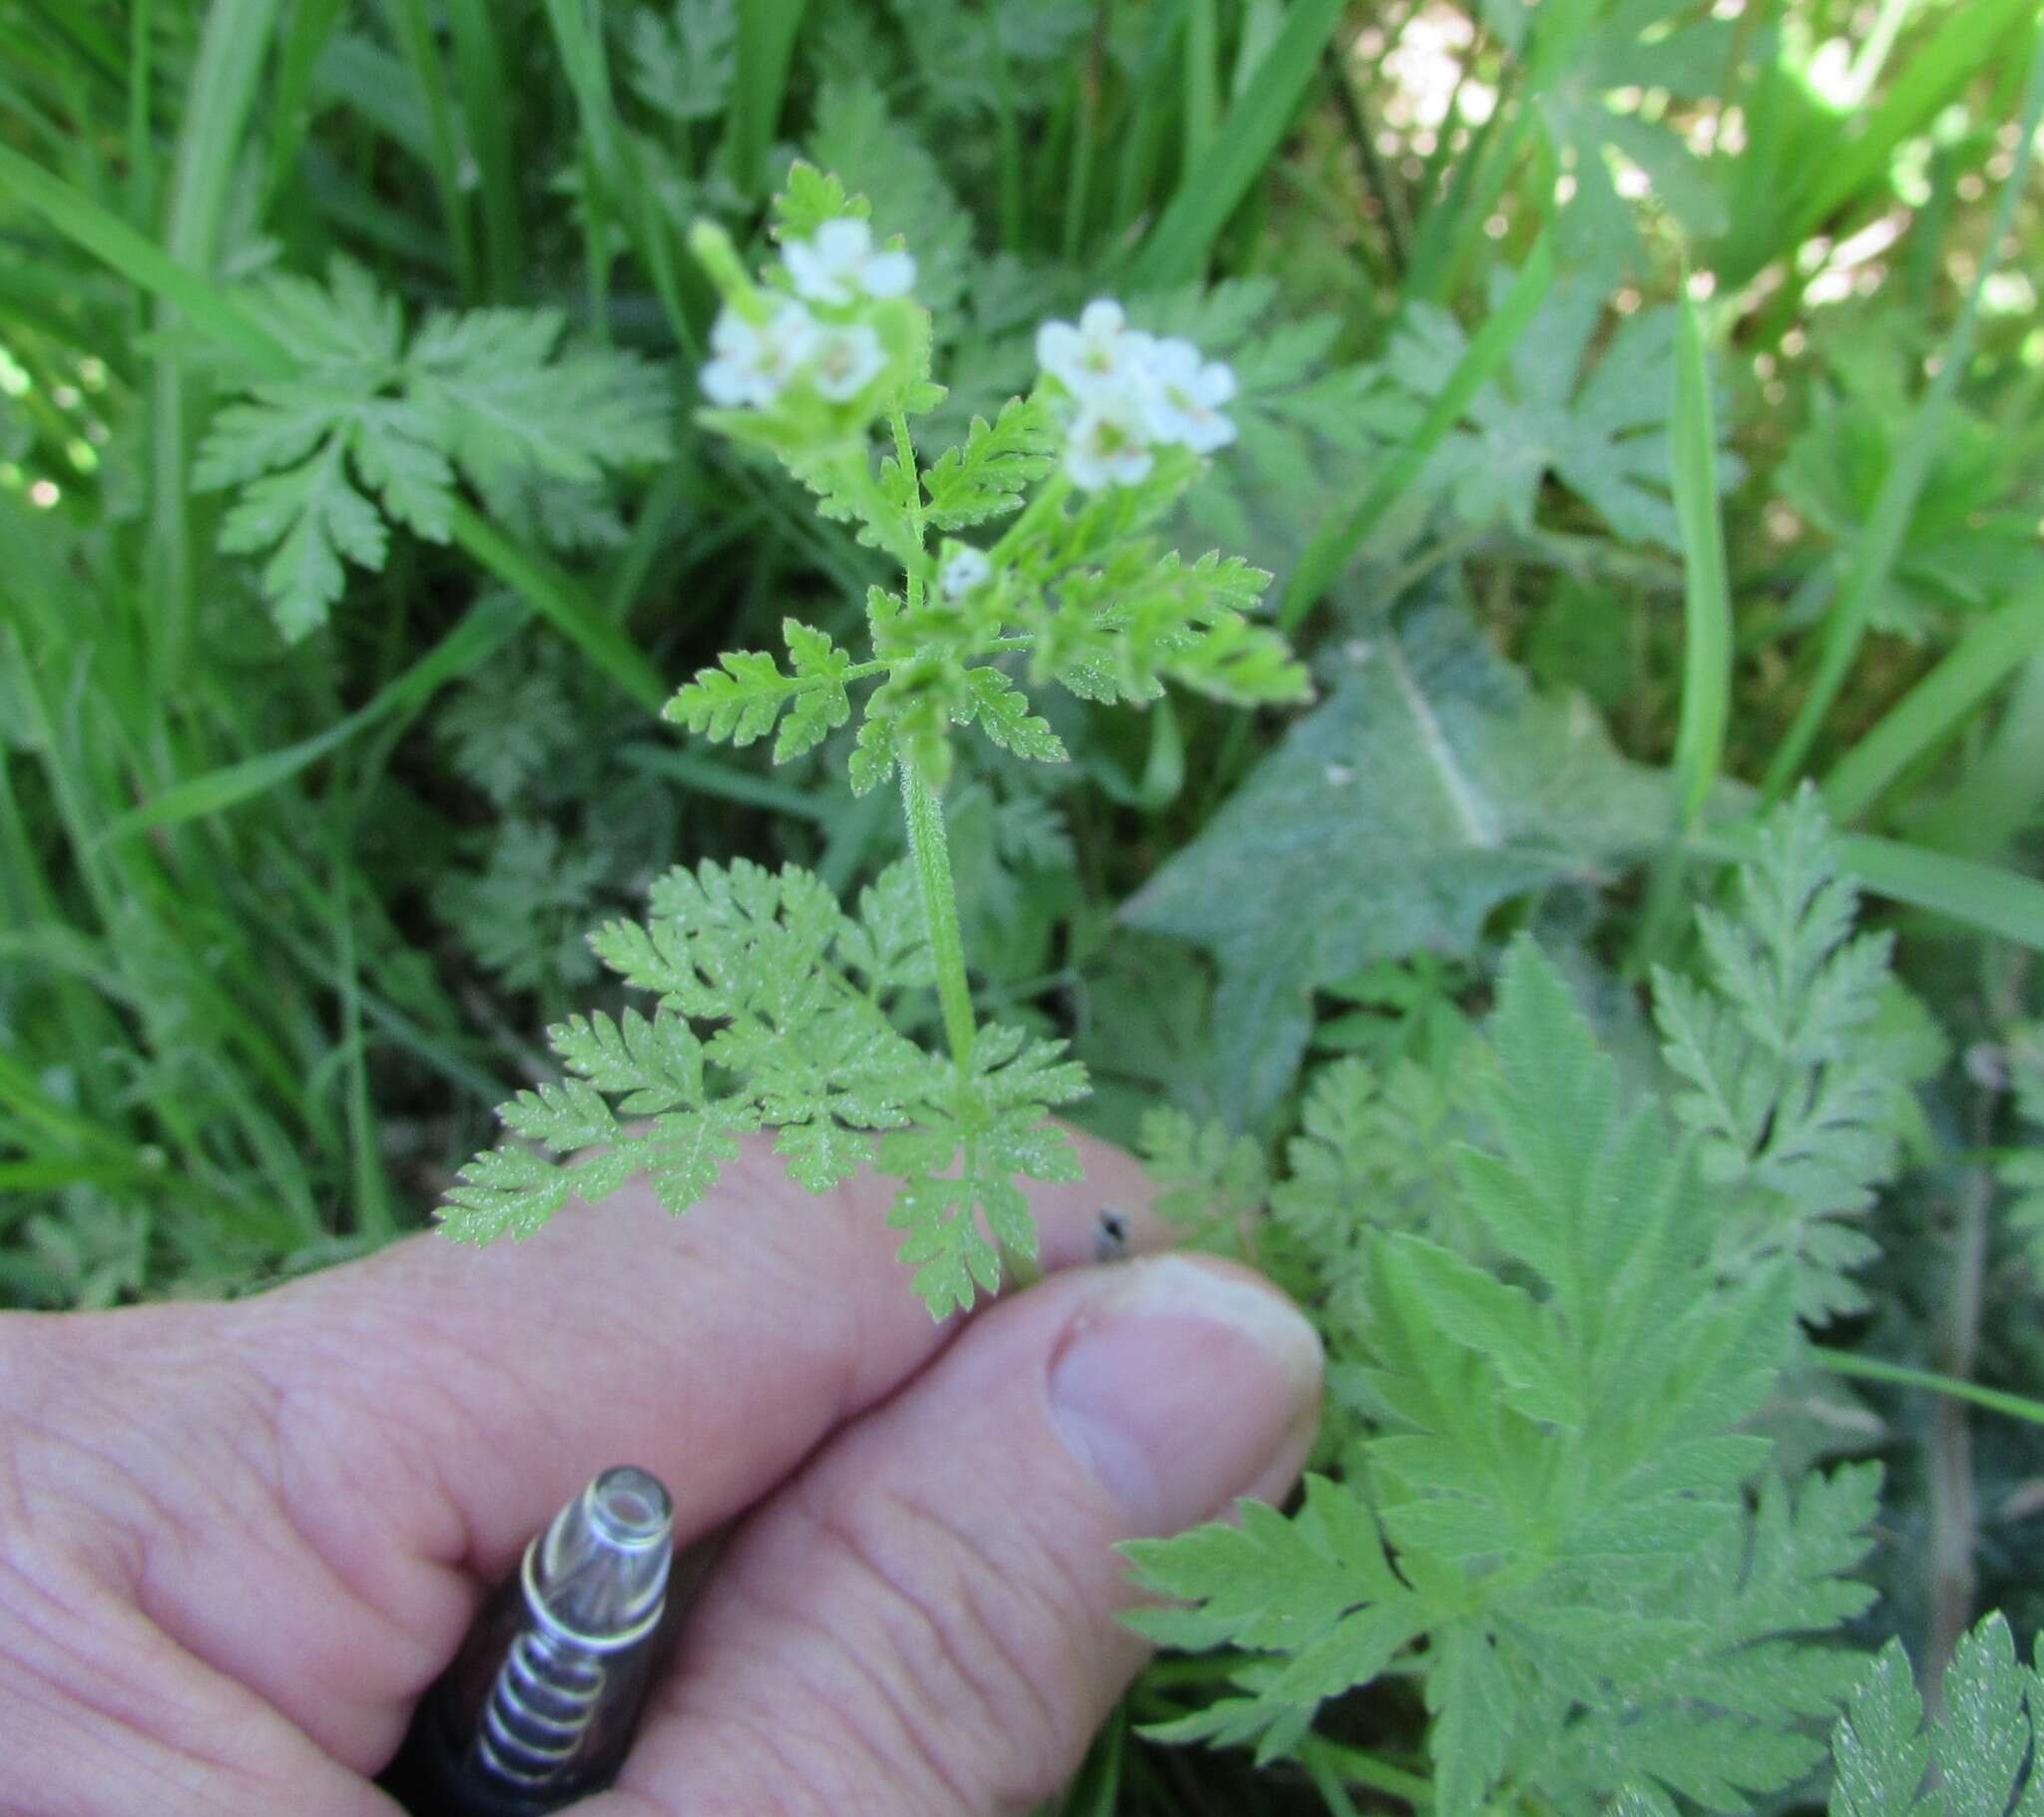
pixel 1110 1236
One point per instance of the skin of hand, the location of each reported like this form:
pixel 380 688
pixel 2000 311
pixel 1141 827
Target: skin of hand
pixel 239 1540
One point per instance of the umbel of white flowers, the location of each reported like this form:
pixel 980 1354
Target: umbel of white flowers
pixel 755 361
pixel 1129 392
pixel 1135 392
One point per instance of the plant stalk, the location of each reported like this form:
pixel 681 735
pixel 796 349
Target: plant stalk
pixel 931 856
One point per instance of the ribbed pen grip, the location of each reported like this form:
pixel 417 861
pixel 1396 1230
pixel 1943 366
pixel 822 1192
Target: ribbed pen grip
pixel 540 1708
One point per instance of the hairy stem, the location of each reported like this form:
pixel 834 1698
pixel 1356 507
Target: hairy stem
pixel 930 853
pixel 928 846
pixel 931 856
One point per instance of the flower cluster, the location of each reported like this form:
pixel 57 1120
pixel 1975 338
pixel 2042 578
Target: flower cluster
pixel 1134 392
pixel 762 346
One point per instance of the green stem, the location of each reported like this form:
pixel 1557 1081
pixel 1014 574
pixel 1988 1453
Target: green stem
pixel 928 846
pixel 930 853
pixel 1040 507
pixel 1900 1375
pixel 931 856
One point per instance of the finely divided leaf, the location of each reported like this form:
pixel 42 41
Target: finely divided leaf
pixel 958 1203
pixel 810 197
pixel 1211 1179
pixel 739 703
pixel 1602 432
pixel 744 700
pixel 874 756
pixel 1551 1492
pixel 510 404
pixel 316 519
pixel 683 62
pixel 888 946
pixel 504 1192
pixel 822 1153
pixel 795 1044
pixel 487 393
pixel 1794 1093
pixel 1977 1752
pixel 999 460
pixel 1003 714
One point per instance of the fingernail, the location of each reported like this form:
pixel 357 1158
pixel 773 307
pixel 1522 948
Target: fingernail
pixel 1180 1384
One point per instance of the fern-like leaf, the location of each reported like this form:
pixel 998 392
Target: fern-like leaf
pixel 958 1203
pixel 1982 1751
pixel 1555 1472
pixel 999 461
pixel 1793 1094
pixel 369 429
pixel 1003 714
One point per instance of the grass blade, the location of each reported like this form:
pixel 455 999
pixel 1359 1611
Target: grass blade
pixel 1936 706
pixel 561 602
pixel 478 634
pixel 1335 543
pixel 2002 794
pixel 707 776
pixel 1209 193
pixel 1881 538
pixel 1899 1375
pixel 767 30
pixel 220 96
pixel 1984 897
pixel 142 261
pixel 1201 79
pixel 292 102
pixel 1707 596
pixel 413 28
pixel 486 112
pixel 1971 36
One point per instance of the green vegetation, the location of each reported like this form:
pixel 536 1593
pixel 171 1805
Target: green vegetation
pixel 1487 713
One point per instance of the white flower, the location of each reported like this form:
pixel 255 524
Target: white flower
pixel 1099 353
pixel 966 568
pixel 844 360
pixel 754 360
pixel 840 262
pixel 1109 443
pixel 1185 394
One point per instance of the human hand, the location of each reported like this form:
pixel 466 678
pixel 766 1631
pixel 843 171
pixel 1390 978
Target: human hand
pixel 238 1542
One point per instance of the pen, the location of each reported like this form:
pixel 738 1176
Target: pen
pixel 539 1705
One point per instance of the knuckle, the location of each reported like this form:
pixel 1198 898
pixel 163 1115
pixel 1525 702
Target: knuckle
pixel 126 1445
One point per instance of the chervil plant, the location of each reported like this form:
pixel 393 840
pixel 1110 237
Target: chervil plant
pixel 1636 398
pixel 775 1007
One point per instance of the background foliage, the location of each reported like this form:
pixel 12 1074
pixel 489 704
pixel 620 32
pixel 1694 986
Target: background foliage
pixel 1638 406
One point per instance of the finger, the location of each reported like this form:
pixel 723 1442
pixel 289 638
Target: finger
pixel 102 1713
pixel 367 1447
pixel 925 1621
pixel 715 1348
